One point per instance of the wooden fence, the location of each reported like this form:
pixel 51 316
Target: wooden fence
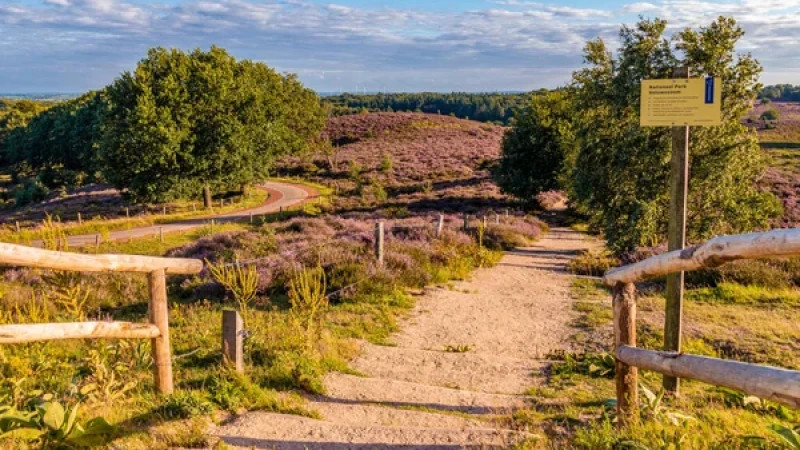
pixel 779 385
pixel 157 329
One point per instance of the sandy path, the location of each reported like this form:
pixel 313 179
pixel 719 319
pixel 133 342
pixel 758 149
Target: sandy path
pixel 281 195
pixel 417 395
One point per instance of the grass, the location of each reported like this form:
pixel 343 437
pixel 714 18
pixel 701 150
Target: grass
pixel 104 225
pixel 742 322
pixel 288 349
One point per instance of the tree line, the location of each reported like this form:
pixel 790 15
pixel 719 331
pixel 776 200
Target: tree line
pixel 484 107
pixel 780 92
pixel 178 125
pixel 585 139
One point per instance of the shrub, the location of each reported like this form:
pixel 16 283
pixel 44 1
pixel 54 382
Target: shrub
pixel 183 405
pixel 592 263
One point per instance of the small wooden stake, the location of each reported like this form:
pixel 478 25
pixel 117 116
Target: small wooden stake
pixel 80 219
pixel 127 213
pixel 439 225
pixel 676 235
pixel 624 302
pixel 17 223
pixel 466 222
pixel 212 226
pixel 379 242
pixel 251 217
pixel 194 207
pixel 232 339
pixel 161 234
pixel 159 316
pixel 164 210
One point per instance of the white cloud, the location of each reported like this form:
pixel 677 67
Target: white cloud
pixel 515 44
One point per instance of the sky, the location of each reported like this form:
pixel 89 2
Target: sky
pixel 361 45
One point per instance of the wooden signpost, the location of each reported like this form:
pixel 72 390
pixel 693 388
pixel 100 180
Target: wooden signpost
pixel 680 102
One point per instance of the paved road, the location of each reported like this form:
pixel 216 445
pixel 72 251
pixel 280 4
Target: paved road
pixel 281 195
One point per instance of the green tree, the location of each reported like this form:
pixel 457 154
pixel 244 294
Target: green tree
pixel 184 121
pixel 536 148
pixel 621 173
pixel 770 114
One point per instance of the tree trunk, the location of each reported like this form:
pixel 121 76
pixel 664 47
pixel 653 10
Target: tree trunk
pixel 206 196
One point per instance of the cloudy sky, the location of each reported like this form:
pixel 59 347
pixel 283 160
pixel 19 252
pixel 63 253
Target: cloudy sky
pixel 349 45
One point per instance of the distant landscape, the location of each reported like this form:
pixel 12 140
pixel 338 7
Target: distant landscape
pixel 406 269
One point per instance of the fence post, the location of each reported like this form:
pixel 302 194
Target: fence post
pixel 484 222
pixel 161 234
pixel 439 225
pixel 80 219
pixel 379 242
pixel 625 334
pixel 159 310
pixel 251 217
pixel 232 340
pixel 127 213
pixel 17 224
pixel 466 221
pixel 194 207
pixel 164 210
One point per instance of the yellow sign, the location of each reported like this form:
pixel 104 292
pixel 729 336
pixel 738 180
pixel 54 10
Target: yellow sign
pixel 693 101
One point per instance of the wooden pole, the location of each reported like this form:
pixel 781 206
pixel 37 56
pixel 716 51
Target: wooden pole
pixel 127 213
pixel 212 226
pixel 466 221
pixel 769 383
pixel 35 332
pixel 194 207
pixel 439 225
pixel 379 242
pixel 159 310
pixel 232 339
pixel 80 219
pixel 161 234
pixel 624 302
pixel 676 234
pixel 17 224
pixel 251 217
pixel 164 210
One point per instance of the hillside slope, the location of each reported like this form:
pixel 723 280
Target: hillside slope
pixel 419 161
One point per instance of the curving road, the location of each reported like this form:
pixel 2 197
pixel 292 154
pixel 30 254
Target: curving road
pixel 281 195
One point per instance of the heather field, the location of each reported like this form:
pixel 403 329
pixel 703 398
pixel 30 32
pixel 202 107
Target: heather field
pixel 419 162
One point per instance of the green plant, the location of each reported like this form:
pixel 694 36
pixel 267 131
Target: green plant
pixel 240 280
pixel 105 380
pixel 790 437
pixel 307 297
pixel 52 425
pixel 52 235
pixel 652 407
pixel 457 348
pixel 67 291
pixel 386 163
pixel 593 364
pixel 183 405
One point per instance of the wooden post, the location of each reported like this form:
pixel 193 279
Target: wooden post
pixel 127 213
pixel 624 301
pixel 251 217
pixel 96 243
pixel 221 202
pixel 17 224
pixel 161 234
pixel 466 221
pixel 484 222
pixel 164 210
pixel 80 219
pixel 207 203
pixel 440 225
pixel 159 310
pixel 212 226
pixel 194 207
pixel 232 339
pixel 379 243
pixel 676 235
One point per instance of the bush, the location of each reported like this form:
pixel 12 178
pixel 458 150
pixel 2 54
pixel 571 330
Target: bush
pixel 592 263
pixel 31 191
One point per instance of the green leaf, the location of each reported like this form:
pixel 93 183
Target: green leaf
pixel 788 435
pixel 71 420
pixel 53 416
pixel 23 434
pixel 98 425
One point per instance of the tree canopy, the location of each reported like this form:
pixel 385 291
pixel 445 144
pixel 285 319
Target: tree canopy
pixel 181 121
pixel 620 174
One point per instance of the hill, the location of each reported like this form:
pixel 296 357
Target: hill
pixel 413 160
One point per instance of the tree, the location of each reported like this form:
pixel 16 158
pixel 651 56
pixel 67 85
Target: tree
pixel 181 122
pixel 770 114
pixel 536 148
pixel 620 178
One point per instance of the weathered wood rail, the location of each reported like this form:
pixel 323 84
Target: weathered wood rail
pixel 157 329
pixel 779 385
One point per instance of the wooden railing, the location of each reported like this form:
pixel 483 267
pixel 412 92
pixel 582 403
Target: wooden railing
pixel 158 327
pixel 767 382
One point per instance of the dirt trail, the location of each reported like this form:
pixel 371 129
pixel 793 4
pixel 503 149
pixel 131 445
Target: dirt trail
pixel 281 195
pixel 416 394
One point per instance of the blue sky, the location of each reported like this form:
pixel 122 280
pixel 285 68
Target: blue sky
pixel 355 45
